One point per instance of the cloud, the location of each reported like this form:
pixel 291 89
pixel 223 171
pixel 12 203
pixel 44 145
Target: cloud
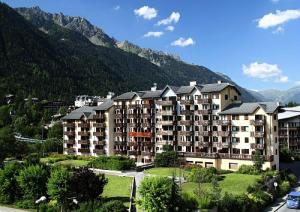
pixel 265 72
pixel 173 18
pixel 117 7
pixel 278 30
pixel 278 18
pixel 170 28
pixel 183 42
pixel 297 82
pixel 146 12
pixel 153 34
pixel 275 1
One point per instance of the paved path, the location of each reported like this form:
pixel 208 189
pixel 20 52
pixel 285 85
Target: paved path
pixel 280 204
pixel 6 209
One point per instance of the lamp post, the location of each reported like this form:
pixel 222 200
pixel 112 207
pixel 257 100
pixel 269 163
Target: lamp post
pixel 40 200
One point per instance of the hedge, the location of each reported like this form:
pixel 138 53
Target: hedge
pixel 112 163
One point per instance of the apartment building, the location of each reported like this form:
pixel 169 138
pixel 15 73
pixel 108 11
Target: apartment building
pixel 206 124
pixel 289 128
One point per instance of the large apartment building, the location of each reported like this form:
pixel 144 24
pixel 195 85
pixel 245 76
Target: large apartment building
pixel 206 124
pixel 289 128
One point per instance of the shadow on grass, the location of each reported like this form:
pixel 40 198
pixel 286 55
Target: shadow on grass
pixel 123 199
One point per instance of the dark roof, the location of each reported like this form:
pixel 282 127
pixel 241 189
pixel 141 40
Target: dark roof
pixel 105 105
pixel 249 108
pixel 186 89
pixel 216 87
pixel 79 112
pixel 151 94
pixel 126 96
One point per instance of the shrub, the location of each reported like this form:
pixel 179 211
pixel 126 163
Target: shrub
pixel 222 171
pixel 248 169
pixel 89 206
pixel 202 175
pixel 187 202
pixel 166 159
pixel 112 163
pixel 205 202
pixel 284 187
pixel 233 203
pixel 112 206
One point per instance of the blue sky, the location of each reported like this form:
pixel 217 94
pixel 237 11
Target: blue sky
pixel 255 42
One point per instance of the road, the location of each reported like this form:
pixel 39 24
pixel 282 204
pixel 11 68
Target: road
pixel 6 209
pixel 295 167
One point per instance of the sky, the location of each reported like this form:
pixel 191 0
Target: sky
pixel 254 42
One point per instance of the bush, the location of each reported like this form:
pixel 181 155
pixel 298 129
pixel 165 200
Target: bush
pixel 112 163
pixel 89 206
pixel 222 171
pixel 188 202
pixel 284 188
pixel 205 202
pixel 112 206
pixel 248 169
pixel 166 159
pixel 232 203
pixel 202 175
pixel 292 178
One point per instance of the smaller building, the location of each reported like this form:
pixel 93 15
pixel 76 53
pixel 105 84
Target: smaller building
pixel 289 128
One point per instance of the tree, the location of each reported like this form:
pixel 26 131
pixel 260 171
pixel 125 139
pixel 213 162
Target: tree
pixel 258 160
pixel 167 159
pixel 5 115
pixel 291 104
pixel 33 180
pixel 113 206
pixel 59 187
pixel 86 185
pixel 9 189
pixel 216 191
pixel 56 131
pixel 7 143
pixel 158 194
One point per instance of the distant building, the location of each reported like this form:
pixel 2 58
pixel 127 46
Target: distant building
pixel 85 100
pixel 206 124
pixel 289 128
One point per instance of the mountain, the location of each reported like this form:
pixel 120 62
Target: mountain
pixel 57 56
pixel 284 96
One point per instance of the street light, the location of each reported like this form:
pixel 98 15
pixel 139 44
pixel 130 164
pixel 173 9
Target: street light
pixel 275 184
pixel 40 200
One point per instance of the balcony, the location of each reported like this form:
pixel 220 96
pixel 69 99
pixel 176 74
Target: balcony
pixel 257 134
pixel 71 125
pixel 165 132
pixel 166 112
pixel 203 122
pixel 257 122
pixel 205 133
pixel 119 106
pixel 198 155
pixel 148 106
pixel 119 116
pixel 146 124
pixel 165 122
pixel 257 146
pixel 132 143
pixel 185 122
pixel 99 116
pixel 133 106
pixel 132 124
pixel 84 125
pixel 101 143
pixel 165 102
pixel 185 133
pixel 146 115
pixel 99 125
pixel 99 151
pixel 202 144
pixel 84 150
pixel 186 102
pixel 99 134
pixel 203 112
pixel 120 152
pixel 132 115
pixel 184 143
pixel 120 134
pixel 71 141
pixel 83 141
pixel 84 133
pixel 120 124
pixel 133 152
pixel 69 133
pixel 222 122
pixel 204 101
pixel 224 133
pixel 147 154
pixel 120 143
pixel 164 142
pixel 147 143
pixel 70 150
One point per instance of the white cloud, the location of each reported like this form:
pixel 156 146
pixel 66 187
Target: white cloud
pixel 278 30
pixel 173 18
pixel 146 12
pixel 170 28
pixel 278 18
pixel 297 82
pixel 153 34
pixel 117 7
pixel 275 1
pixel 265 72
pixel 183 42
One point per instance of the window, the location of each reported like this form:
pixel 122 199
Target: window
pixel 233 166
pixel 245 151
pixel 244 128
pixel 235 128
pixel 275 116
pixel 209 164
pixel 246 140
pixel 226 97
pixel 275 128
pixel 235 140
pixel 235 117
pixel 246 117
pixel 235 98
pixel 216 107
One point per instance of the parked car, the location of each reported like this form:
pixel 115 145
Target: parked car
pixel 293 200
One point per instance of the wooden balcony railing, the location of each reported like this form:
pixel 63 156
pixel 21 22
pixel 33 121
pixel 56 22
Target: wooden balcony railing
pixel 99 125
pixel 99 151
pixel 83 141
pixel 84 133
pixel 147 154
pixel 257 146
pixel 184 143
pixel 203 112
pixel 165 102
pixel 257 134
pixel 84 125
pixel 204 101
pixel 187 102
pixel 69 133
pixel 70 150
pixel 101 143
pixel 98 133
pixel 185 122
pixel 257 122
pixel 69 141
pixel 165 132
pixel 185 133
pixel 203 122
pixel 84 150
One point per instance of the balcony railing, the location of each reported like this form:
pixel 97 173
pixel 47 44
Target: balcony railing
pixel 202 144
pixel 101 143
pixel 187 112
pixel 166 112
pixel 120 143
pixel 147 154
pixel 69 133
pixel 83 141
pixel 203 122
pixel 133 152
pixel 257 134
pixel 257 122
pixel 132 143
pixel 72 125
pixel 185 133
pixel 70 150
pixel 257 146
pixel 164 142
pixel 147 143
pixel 120 134
pixel 99 151
pixel 222 122
pixel 204 101
pixel 84 150
pixel 120 152
pixel 185 122
pixel 84 125
pixel 165 102
pixel 165 132
pixel 99 116
pixel 166 122
pixel 205 133
pixel 70 141
pixel 203 112
pixel 84 133
pixel 184 143
pixel 186 102
pixel 99 125
pixel 224 133
pixel 98 133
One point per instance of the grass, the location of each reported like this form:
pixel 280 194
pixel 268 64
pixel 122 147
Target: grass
pixel 73 163
pixel 233 183
pixel 165 171
pixel 118 188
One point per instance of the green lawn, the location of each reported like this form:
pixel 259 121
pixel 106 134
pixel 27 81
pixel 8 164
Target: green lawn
pixel 165 171
pixel 73 163
pixel 118 188
pixel 232 183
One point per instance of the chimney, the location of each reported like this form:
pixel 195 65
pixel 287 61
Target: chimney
pixel 220 81
pixel 110 95
pixel 153 88
pixel 193 83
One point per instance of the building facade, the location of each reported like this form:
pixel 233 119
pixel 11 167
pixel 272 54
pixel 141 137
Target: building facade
pixel 289 128
pixel 206 124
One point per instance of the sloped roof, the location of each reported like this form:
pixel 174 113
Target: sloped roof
pixel 79 112
pixel 216 87
pixel 151 94
pixel 289 112
pixel 186 89
pixel 105 105
pixel 126 96
pixel 249 108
